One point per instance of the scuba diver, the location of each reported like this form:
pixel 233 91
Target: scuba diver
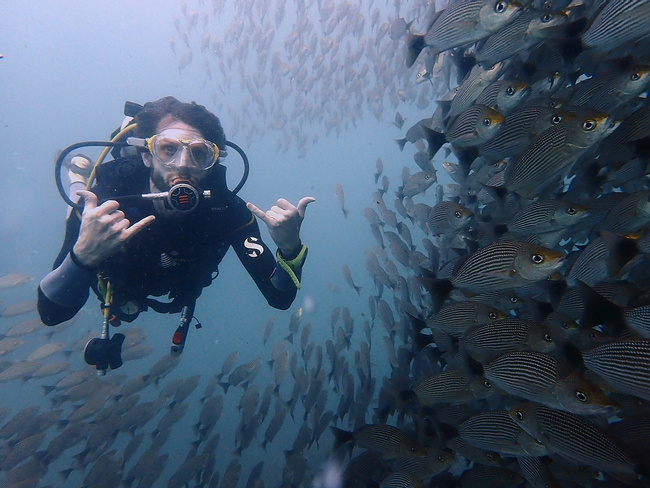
pixel 158 221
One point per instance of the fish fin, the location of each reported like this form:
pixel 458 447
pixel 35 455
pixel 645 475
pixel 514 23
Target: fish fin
pixel 466 157
pixel 415 43
pixel 621 250
pixel 438 290
pixel 342 438
pixel 599 310
pixel 401 143
pixel 435 140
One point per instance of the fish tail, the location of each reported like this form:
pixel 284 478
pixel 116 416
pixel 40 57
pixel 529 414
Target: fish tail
pixel 621 250
pixel 345 212
pixel 438 290
pixel 342 438
pixel 415 43
pixel 599 310
pixel 435 140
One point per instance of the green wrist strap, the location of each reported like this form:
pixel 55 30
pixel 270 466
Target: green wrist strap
pixel 292 266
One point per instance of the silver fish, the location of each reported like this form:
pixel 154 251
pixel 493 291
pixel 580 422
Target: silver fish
pixel 572 436
pixel 504 265
pixel 460 24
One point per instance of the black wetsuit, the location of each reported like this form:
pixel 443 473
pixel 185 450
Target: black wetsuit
pixel 173 257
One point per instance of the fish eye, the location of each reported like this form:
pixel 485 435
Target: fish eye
pixel 548 338
pixel 510 90
pixel 552 103
pixel 519 415
pixel 441 458
pixel 581 396
pixel 589 125
pixel 487 121
pixel 457 214
pixel 514 300
pixel 556 119
pixel 565 325
pixel 571 211
pixel 546 18
pixel 635 76
pixel 500 7
pixel 537 258
pixel 487 384
pixel 413 449
pixel 492 315
pixel 489 455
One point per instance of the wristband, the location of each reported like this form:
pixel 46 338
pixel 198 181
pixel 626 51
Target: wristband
pixel 293 266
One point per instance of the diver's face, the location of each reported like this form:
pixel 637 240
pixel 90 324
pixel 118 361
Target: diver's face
pixel 164 176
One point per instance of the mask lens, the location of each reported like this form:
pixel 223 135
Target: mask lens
pixel 203 153
pixel 166 148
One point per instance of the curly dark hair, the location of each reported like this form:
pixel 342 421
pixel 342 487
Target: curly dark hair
pixel 191 113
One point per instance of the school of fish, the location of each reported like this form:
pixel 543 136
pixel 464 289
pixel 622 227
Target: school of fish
pixel 508 298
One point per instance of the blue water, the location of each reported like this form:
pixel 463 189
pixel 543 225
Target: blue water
pixel 67 69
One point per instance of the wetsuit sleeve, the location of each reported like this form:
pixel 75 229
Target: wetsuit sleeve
pixel 64 290
pixel 277 286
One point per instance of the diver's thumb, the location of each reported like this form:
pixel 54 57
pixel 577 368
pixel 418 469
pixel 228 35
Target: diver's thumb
pixel 90 199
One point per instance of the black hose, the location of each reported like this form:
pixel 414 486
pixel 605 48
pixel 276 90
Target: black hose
pixel 59 164
pixel 244 158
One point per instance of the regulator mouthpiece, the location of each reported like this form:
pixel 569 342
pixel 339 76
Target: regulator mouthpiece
pixel 182 197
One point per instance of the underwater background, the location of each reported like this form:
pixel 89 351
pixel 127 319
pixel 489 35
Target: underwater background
pixel 315 92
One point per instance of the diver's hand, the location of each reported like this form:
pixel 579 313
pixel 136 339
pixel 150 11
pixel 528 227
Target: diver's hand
pixel 284 221
pixel 104 230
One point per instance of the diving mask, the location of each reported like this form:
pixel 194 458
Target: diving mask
pixel 168 149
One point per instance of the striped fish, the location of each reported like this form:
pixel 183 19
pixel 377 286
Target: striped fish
pixel 390 441
pixel 447 217
pixel 497 431
pixel 473 85
pixel 546 216
pixel 526 374
pixel 628 216
pixel 553 152
pixel 471 453
pixel 619 22
pixel 504 96
pixel 520 127
pixel 474 126
pixel 623 364
pixel 537 472
pixel 504 265
pixel 462 23
pixel 458 317
pixel 451 386
pixel 572 436
pixel 401 479
pixel 491 477
pixel 435 462
pixel 486 342
pixel 637 318
pixel 576 394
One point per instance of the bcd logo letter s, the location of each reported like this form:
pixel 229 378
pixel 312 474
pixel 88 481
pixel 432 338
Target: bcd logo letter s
pixel 254 249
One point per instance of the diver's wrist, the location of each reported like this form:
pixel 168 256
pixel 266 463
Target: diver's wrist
pixel 81 262
pixel 289 253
